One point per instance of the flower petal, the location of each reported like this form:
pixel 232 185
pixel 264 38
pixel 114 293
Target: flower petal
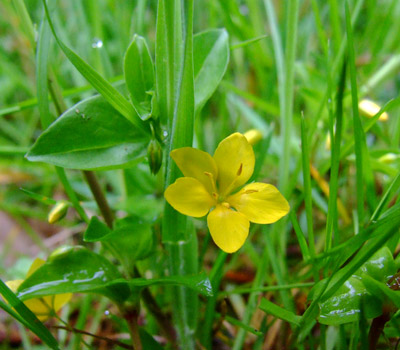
pixel 43 307
pixel 195 163
pixel 60 300
pixel 260 203
pixel 188 196
pixel 235 161
pixel 14 284
pixel 35 265
pixel 229 229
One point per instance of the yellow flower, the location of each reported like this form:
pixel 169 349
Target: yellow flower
pixel 210 182
pixel 43 307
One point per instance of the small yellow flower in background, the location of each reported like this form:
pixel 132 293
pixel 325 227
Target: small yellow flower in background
pixel 253 136
pixel 370 108
pixel 210 183
pixel 45 306
pixel 388 158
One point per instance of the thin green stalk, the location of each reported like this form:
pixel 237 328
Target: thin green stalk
pixel 25 21
pixel 305 151
pixel 285 70
pixel 335 24
pixel 339 55
pixel 357 127
pixel 287 113
pixel 323 41
pixel 335 161
pixel 267 289
pixel 305 252
pixel 175 87
pixel 387 70
pixel 278 51
pixel 253 298
pixel 215 276
pixel 84 311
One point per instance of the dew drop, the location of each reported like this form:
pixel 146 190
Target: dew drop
pixel 97 43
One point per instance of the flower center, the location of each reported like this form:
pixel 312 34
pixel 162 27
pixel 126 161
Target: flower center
pixel 226 205
pixel 220 198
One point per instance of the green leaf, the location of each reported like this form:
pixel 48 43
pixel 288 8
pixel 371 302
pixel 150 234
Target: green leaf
pixel 25 316
pixel 380 266
pixel 97 231
pixel 279 312
pixel 345 305
pixel 90 135
pixel 119 102
pixel 199 283
pixel 39 197
pixel 139 76
pixel 382 290
pixel 388 228
pixel 146 207
pixel 130 240
pixel 210 61
pixel 74 270
pixel 148 342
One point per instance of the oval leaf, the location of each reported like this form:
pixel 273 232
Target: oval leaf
pixel 359 292
pixel 129 241
pixel 210 60
pixel 139 75
pixel 90 135
pixel 345 305
pixel 380 266
pixel 199 283
pixel 74 270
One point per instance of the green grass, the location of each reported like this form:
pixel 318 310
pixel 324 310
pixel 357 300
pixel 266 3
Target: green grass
pixel 297 71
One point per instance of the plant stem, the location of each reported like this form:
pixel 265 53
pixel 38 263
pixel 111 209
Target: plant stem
pixel 216 275
pixel 253 298
pixel 99 197
pixel 131 315
pixel 163 321
pixel 151 304
pixel 108 340
pixel 376 329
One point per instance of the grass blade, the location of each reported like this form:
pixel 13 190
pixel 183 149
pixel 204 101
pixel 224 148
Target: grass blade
pixel 279 312
pixel 28 318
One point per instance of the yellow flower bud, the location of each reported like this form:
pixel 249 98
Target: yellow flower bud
pixel 388 158
pixel 328 142
pixel 253 136
pixel 370 108
pixel 58 212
